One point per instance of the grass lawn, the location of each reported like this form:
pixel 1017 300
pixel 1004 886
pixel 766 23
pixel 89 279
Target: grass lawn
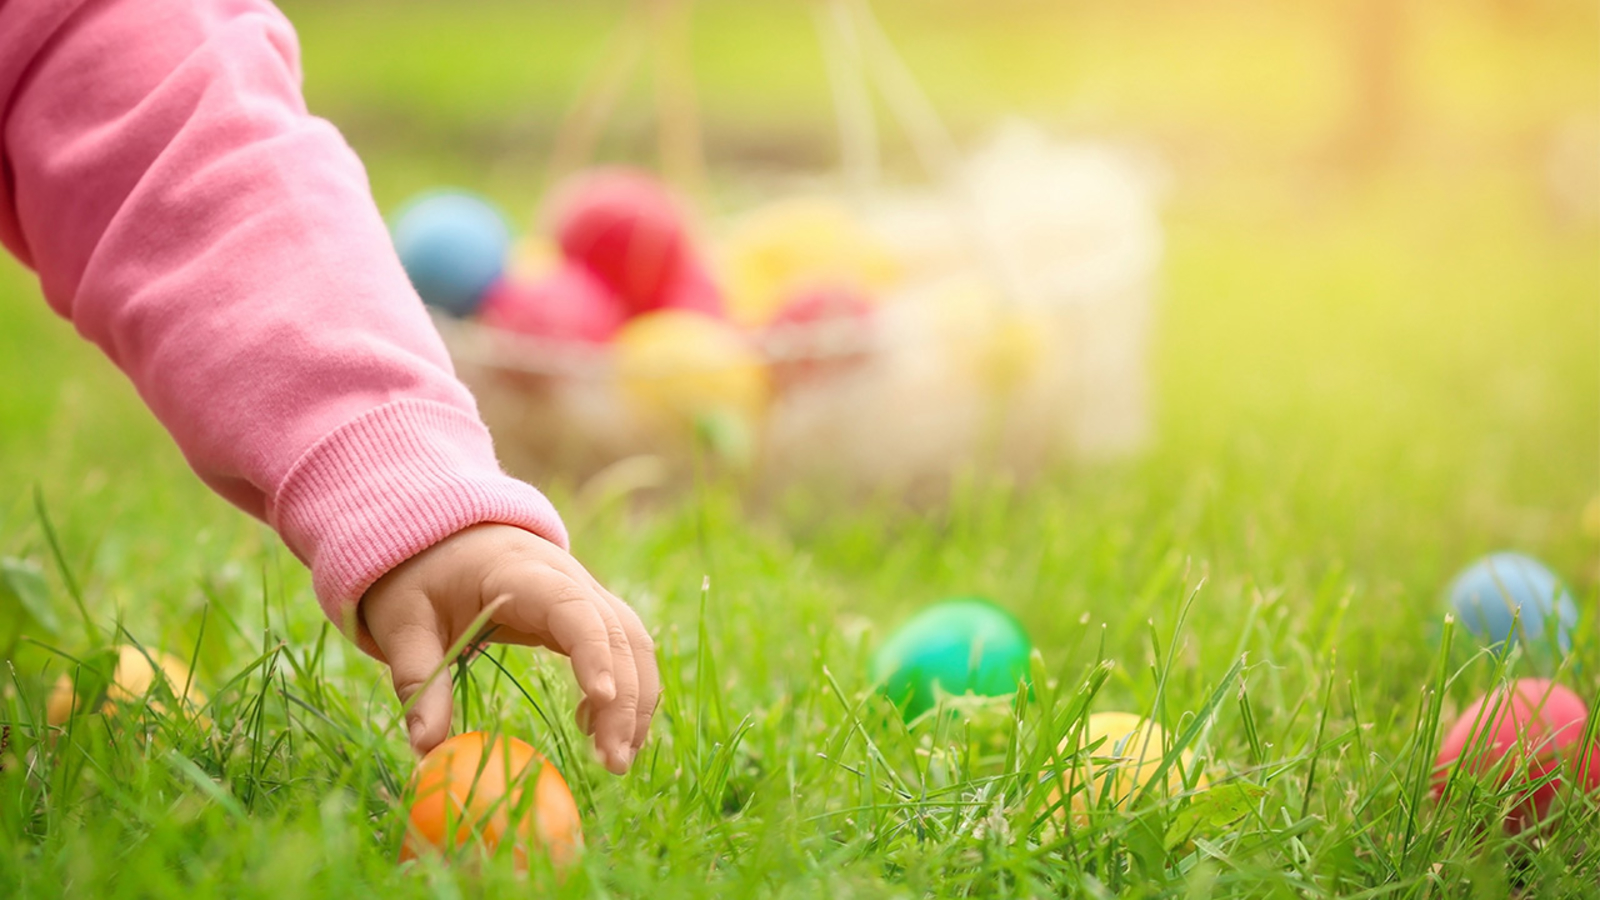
pixel 1363 383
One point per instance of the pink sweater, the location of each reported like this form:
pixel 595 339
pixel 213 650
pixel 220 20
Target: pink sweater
pixel 158 169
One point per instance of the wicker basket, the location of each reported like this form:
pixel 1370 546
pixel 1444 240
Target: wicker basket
pixel 1015 338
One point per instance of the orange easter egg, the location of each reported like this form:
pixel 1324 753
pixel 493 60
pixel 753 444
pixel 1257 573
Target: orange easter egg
pixel 495 790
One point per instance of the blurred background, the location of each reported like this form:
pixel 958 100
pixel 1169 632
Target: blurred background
pixel 1379 305
pixel 474 92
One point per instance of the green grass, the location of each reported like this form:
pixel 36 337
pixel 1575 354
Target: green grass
pixel 1363 383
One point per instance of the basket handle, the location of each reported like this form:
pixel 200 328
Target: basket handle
pixel 662 27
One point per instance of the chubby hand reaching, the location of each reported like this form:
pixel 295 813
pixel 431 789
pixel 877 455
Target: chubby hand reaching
pixel 421 607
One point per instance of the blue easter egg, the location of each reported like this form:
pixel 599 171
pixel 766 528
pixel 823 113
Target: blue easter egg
pixel 453 246
pixel 1503 591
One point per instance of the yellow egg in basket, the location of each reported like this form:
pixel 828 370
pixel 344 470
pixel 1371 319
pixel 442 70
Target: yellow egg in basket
pixel 796 244
pixel 986 337
pixel 684 366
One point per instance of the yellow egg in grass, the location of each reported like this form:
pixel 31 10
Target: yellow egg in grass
pixel 137 671
pixel 134 677
pixel 1131 751
pixel 58 708
pixel 684 366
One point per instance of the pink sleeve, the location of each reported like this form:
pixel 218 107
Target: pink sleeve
pixel 162 176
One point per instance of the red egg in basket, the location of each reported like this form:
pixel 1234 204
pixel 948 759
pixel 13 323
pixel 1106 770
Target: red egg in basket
pixel 694 290
pixel 626 228
pixel 820 332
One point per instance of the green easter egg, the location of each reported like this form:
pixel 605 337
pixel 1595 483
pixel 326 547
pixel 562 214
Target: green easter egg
pixel 963 645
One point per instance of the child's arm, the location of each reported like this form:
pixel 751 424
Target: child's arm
pixel 162 176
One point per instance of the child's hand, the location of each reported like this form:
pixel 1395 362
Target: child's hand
pixel 421 607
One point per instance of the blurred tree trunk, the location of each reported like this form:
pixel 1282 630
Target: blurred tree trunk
pixel 1377 43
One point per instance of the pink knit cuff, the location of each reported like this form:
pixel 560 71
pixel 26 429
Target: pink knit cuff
pixel 388 485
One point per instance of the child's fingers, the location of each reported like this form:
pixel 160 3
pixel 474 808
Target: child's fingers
pixel 415 653
pixel 614 721
pixel 644 657
pixel 581 624
pixel 616 727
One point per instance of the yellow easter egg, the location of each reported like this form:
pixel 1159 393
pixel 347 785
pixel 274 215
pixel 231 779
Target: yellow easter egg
pixel 58 708
pixel 1010 353
pixel 684 366
pixel 985 336
pixel 796 244
pixel 132 680
pixel 135 675
pixel 1123 764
